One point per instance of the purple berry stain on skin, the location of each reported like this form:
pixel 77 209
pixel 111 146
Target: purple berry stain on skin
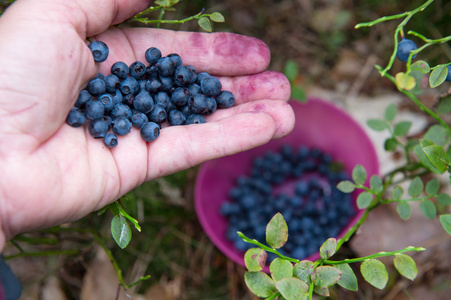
pixel 240 47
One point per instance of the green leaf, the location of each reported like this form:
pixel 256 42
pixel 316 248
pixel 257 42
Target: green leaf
pixel 428 209
pixel 375 273
pixel 298 93
pixel 405 81
pixel 404 210
pixel 348 279
pixel 364 200
pixel 328 248
pixel 390 112
pixel 425 160
pixel 205 24
pixel 260 284
pixel 217 17
pixel 280 269
pixel 303 270
pixel 293 289
pixel 277 231
pixel 444 199
pixel 346 186
pixel 437 134
pixel 416 187
pixel 377 124
pixel 432 187
pixel 438 76
pixel 406 266
pixel 422 66
pixel 376 184
pixel 445 220
pixel 435 154
pixel 402 128
pixel 121 231
pixel 444 106
pixel 255 259
pixel 390 144
pixel 325 276
pixel 359 174
pixel 397 192
pixel 166 3
pixel 291 70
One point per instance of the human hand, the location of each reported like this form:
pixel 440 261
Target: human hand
pixel 52 173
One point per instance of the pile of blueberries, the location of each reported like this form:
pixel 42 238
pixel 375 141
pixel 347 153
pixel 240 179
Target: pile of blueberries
pixel 301 185
pixel 144 96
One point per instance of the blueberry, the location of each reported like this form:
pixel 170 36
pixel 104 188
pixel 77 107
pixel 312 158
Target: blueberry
pixel 166 66
pixel 193 73
pixel 186 110
pixel 76 117
pixel 10 287
pixel 122 126
pixel 129 86
pixel 152 71
pixel 111 83
pixel 167 84
pixel 153 85
pixel 99 51
pixel 128 99
pixel 157 114
pixel 117 98
pixel 94 109
pixel 180 96
pixel 120 69
pixel 176 117
pixel 162 98
pixel 225 99
pixel 176 59
pixel 143 102
pixel 107 101
pixel 194 89
pixel 98 128
pixel 448 77
pixel 110 140
pixel 210 86
pixel 211 106
pixel 137 70
pixel 100 75
pixel 149 131
pixel 121 110
pixel 404 48
pixel 83 97
pixel 108 120
pixel 195 119
pixel 138 119
pixel 198 104
pixel 183 76
pixel 96 87
pixel 201 76
pixel 152 55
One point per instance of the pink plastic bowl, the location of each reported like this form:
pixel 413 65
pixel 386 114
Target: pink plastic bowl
pixel 318 124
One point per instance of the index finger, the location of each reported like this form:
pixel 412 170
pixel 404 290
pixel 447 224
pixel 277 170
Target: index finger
pixel 218 53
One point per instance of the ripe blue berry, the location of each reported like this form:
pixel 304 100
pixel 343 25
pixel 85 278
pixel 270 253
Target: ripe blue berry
pixel 225 99
pixel 176 59
pixel 110 140
pixel 157 114
pixel 176 117
pixel 195 119
pixel 152 55
pixel 201 76
pixel 404 48
pixel 180 96
pixel 210 86
pixel 96 87
pixel 129 86
pixel 448 77
pixel 138 119
pixel 117 97
pixel 153 85
pixel 152 71
pixel 183 76
pixel 76 117
pixel 111 83
pixel 122 126
pixel 198 104
pixel 162 98
pixel 83 97
pixel 166 66
pixel 149 131
pixel 211 106
pixel 107 101
pixel 98 128
pixel 94 109
pixel 143 102
pixel 121 110
pixel 167 84
pixel 99 51
pixel 137 70
pixel 120 69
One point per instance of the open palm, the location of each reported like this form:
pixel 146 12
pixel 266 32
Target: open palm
pixel 51 173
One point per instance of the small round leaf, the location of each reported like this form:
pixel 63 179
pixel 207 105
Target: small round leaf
pixel 359 174
pixel 406 266
pixel 375 273
pixel 364 200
